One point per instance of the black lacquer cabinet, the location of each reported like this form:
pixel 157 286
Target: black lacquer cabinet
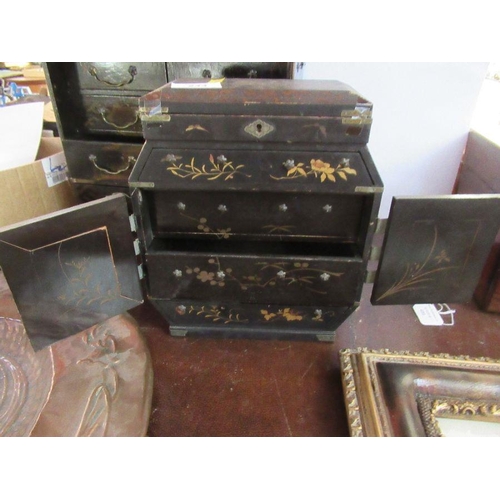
pixel 255 205
pixel 96 108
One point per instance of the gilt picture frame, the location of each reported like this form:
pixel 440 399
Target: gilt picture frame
pixel 403 394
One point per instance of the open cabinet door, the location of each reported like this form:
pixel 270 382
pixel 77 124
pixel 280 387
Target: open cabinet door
pixel 71 269
pixel 434 248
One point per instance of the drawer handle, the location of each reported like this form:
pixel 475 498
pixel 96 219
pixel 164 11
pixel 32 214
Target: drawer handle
pixel 281 275
pixel 119 127
pixel 177 273
pixel 283 208
pixel 222 209
pixel 132 70
pixel 327 208
pixel 131 162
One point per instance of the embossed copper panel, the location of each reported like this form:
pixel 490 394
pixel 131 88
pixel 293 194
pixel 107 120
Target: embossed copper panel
pixel 71 269
pixel 434 248
pixel 26 380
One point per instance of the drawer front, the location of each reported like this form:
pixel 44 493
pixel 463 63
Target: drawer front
pixel 292 129
pixel 245 170
pixel 260 321
pixel 178 70
pixel 143 76
pixel 104 162
pixel 115 115
pixel 254 279
pixel 224 214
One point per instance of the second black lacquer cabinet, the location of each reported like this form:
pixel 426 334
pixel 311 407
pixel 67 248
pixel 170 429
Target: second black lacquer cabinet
pixel 97 112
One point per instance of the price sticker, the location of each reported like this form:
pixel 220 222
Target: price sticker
pixel 428 315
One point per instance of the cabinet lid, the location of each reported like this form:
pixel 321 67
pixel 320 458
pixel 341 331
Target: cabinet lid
pixel 71 269
pixel 255 97
pixel 435 248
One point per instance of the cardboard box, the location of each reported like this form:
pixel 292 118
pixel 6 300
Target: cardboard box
pixel 30 191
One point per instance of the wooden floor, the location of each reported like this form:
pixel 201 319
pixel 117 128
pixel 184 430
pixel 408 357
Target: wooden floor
pixel 208 387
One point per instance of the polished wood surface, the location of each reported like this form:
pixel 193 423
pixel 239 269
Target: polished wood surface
pixel 208 387
pixel 222 387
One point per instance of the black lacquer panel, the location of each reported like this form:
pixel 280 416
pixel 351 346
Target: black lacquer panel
pixel 71 269
pixel 435 248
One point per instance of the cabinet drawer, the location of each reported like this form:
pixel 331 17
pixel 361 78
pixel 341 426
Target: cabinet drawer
pixel 178 70
pixel 106 162
pixel 259 321
pixel 115 115
pixel 224 214
pixel 252 170
pixel 119 76
pixel 274 275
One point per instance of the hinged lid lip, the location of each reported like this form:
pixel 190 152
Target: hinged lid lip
pixel 278 97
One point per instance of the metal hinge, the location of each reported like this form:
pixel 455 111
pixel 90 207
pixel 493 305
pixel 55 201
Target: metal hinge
pixel 381 226
pixel 133 223
pixel 370 277
pixel 176 332
pixel 144 185
pixel 368 189
pixel 141 272
pixel 326 337
pixel 137 246
pixel 156 114
pixel 375 251
pixel 358 116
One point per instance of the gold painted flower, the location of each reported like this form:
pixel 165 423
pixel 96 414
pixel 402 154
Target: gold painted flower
pixel 442 257
pixel 225 233
pixel 323 168
pixel 291 315
pixel 267 315
pixel 205 276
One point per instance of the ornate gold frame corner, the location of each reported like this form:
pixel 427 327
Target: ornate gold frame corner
pixel 400 394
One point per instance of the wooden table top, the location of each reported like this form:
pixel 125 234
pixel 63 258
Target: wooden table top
pixel 221 387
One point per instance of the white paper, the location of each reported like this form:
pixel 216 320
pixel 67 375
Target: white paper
pixel 199 85
pixel 428 315
pixel 20 132
pixel 55 169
